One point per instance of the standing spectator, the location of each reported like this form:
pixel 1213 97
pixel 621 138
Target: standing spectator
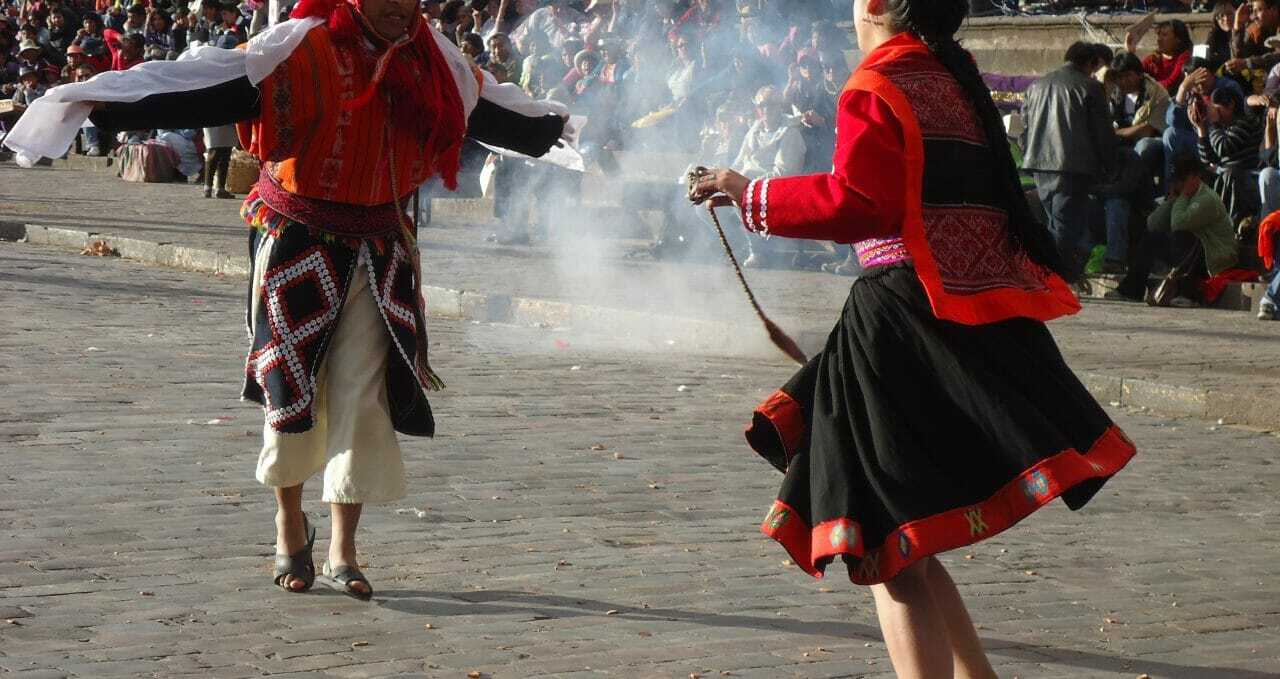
pixel 219 141
pixel 1191 223
pixel 1070 141
pixel 1218 43
pixel 1173 48
pixel 1248 38
pixel 772 148
pixel 1228 139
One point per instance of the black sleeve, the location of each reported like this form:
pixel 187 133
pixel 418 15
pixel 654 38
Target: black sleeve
pixel 530 135
pixel 222 104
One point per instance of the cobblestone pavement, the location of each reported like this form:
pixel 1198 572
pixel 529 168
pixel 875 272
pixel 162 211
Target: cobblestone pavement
pixel 1189 347
pixel 579 515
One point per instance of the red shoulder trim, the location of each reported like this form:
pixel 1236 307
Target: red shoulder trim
pixel 990 306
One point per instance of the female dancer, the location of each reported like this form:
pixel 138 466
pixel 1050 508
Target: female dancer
pixel 940 411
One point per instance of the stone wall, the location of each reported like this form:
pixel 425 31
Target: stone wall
pixel 1035 44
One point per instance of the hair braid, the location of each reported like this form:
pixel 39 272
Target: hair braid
pixel 935 23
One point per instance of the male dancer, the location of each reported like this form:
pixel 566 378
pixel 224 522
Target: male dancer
pixel 350 106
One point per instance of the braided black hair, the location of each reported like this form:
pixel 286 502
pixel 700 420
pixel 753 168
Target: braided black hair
pixel 935 22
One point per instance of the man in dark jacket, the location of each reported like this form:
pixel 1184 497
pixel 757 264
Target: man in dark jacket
pixel 1070 141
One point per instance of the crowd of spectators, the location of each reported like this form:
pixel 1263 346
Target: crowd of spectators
pixel 1121 147
pixel 1132 156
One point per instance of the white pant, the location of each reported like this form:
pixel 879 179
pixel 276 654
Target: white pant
pixel 351 438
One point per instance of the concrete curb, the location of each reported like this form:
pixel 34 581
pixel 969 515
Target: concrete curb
pixel 657 331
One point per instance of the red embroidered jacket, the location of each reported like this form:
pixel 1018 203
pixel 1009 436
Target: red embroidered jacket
pixel 912 161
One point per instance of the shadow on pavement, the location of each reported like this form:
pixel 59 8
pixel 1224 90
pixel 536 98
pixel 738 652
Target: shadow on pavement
pixel 549 607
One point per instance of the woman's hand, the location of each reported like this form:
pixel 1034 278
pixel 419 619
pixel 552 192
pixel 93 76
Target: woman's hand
pixel 1242 16
pixel 720 181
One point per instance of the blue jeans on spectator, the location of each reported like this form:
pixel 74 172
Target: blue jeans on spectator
pixel 1150 151
pixel 1269 187
pixel 1273 290
pixel 91 138
pixel 1066 201
pixel 1176 143
pixel 1116 211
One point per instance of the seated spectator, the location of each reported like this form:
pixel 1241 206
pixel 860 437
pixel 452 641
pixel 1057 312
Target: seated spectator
pixel 1269 250
pixel 1069 143
pixel 557 22
pixel 91 38
pixel 502 53
pixel 772 148
pixel 1229 137
pixel 130 53
pixel 157 39
pixel 1173 48
pixel 30 55
pixel 92 140
pixel 8 75
pixel 472 45
pixel 1145 129
pixel 180 29
pixel 541 69
pixel 232 31
pixel 1218 43
pixel 616 64
pixel 62 28
pixel 1124 195
pixel 1192 226
pixel 30 87
pixel 816 111
pixel 1198 85
pixel 1249 51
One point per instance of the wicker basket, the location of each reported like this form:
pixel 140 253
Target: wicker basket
pixel 242 174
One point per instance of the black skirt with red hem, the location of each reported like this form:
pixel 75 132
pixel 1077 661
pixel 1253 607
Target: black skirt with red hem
pixel 908 435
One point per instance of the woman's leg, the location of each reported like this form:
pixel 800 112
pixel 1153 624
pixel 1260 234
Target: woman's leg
pixel 913 625
pixel 291 534
pixel 966 649
pixel 342 544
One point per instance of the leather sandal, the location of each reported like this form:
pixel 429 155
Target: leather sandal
pixel 341 577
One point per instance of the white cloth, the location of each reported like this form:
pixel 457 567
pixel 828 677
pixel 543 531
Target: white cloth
pixel 352 438
pixel 223 136
pixel 49 127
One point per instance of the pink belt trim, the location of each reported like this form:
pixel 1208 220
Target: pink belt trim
pixel 881 252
